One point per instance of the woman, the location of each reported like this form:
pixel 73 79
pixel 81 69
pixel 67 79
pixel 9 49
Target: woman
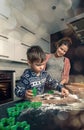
pixel 58 66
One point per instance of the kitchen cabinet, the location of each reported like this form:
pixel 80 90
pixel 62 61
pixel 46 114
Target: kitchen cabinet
pixel 44 45
pixel 12 49
pixel 15 50
pixel 4 48
pixel 7 47
pixel 20 51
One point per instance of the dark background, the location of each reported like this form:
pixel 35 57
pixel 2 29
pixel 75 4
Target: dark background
pixel 76 51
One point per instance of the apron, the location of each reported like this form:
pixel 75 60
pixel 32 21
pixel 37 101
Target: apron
pixel 55 67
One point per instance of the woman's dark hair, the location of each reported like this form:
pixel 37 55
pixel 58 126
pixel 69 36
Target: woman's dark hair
pixel 35 53
pixel 66 41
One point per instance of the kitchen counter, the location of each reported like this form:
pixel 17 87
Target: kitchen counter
pixel 49 112
pixel 47 116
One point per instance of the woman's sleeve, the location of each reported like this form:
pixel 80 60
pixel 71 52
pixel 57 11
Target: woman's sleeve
pixel 66 70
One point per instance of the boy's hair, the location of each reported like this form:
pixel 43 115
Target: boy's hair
pixel 35 53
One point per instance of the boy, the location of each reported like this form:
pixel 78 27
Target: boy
pixel 36 76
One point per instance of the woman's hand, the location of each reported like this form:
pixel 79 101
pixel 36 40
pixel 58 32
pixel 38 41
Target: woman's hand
pixel 63 81
pixel 64 92
pixel 29 94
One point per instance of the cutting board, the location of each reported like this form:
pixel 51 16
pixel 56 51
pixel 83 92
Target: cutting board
pixel 76 88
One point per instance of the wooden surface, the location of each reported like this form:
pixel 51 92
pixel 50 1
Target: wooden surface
pixel 77 84
pixel 76 89
pixel 55 98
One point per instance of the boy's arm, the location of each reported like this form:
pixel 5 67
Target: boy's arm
pixel 22 85
pixel 54 84
pixel 20 89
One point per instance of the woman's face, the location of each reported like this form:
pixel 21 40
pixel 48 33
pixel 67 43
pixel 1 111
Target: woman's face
pixel 61 50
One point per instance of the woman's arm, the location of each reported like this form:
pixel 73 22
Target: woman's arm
pixel 66 70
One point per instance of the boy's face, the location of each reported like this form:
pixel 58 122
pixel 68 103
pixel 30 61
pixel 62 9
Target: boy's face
pixel 37 66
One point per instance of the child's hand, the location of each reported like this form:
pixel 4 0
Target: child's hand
pixel 29 94
pixel 64 92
